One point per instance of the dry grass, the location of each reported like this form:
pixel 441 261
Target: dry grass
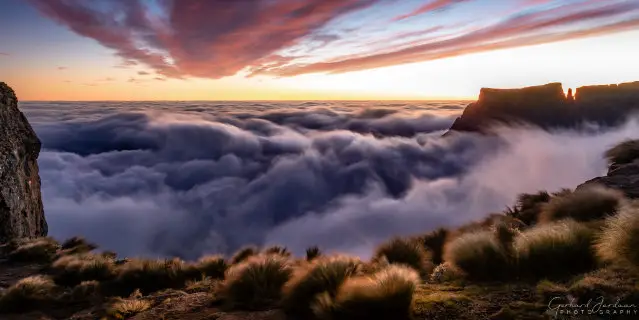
pixel 312 253
pixel 434 242
pixel 555 250
pixel 212 266
pixel 256 283
pixel 27 293
pixel 406 252
pixel 308 281
pixel 479 255
pixel 70 270
pixel 618 242
pixel 388 294
pixel 126 308
pixel 624 152
pixel 152 275
pixel 244 253
pixel 35 250
pixel 586 204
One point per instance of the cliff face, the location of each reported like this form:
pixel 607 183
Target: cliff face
pixel 546 106
pixel 21 211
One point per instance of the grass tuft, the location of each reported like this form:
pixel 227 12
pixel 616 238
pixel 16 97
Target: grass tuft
pixel 243 254
pixel 72 269
pixel 624 152
pixel 554 250
pixel 27 293
pixel 283 251
pixel 35 250
pixel 152 275
pixel 434 242
pixel 310 280
pixel 479 255
pixel 212 266
pixel 590 203
pixel 388 294
pixel 256 283
pixel 312 253
pixel 126 308
pixel 619 239
pixel 406 252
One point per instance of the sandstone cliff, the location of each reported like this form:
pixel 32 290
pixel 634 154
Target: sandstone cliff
pixel 546 106
pixel 21 211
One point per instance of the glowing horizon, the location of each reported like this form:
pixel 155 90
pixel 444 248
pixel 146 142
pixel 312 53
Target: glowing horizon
pixel 430 50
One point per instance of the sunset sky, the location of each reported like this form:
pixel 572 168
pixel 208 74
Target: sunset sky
pixel 310 49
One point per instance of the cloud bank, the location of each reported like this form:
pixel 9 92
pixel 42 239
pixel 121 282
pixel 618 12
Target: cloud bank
pixel 185 179
pixel 219 38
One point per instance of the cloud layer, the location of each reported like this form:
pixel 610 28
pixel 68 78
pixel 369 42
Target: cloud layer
pixel 184 179
pixel 218 38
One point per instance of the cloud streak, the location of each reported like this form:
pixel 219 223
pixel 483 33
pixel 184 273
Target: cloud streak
pixel 215 39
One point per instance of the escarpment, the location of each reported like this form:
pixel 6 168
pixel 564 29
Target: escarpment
pixel 547 107
pixel 21 210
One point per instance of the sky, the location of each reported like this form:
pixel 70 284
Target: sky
pixel 311 49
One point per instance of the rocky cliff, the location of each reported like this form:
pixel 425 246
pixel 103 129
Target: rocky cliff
pixel 546 106
pixel 21 211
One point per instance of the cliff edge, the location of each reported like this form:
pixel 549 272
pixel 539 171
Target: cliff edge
pixel 21 211
pixel 547 106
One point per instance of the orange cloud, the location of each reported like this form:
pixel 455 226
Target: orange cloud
pixel 429 7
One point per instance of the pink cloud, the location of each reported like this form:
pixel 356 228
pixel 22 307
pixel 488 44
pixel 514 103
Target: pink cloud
pixel 429 7
pixel 4 54
pixel 529 29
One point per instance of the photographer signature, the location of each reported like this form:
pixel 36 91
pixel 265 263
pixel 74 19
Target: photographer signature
pixel 593 306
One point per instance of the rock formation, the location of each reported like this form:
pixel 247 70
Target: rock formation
pixel 546 106
pixel 21 211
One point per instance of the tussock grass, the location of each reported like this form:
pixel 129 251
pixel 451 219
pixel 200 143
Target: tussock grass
pixel 590 287
pixel 35 250
pixel 406 252
pixel 256 283
pixel 70 270
pixel 528 206
pixel 283 251
pixel 205 285
pixel 624 152
pixel 312 253
pixel 554 250
pixel 434 242
pixel 479 255
pixel 86 290
pixel 308 281
pixel 388 294
pixel 212 266
pixel 77 245
pixel 152 275
pixel 618 242
pixel 126 308
pixel 27 294
pixel 244 253
pixel 586 204
pixel 547 290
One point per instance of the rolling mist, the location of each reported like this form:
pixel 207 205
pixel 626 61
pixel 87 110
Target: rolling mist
pixel 184 179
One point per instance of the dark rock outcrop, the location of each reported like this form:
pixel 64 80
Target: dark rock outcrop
pixel 622 177
pixel 547 107
pixel 21 211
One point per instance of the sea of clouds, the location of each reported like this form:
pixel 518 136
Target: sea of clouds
pixel 188 178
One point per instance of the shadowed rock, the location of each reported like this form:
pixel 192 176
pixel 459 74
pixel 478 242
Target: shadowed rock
pixel 547 107
pixel 21 211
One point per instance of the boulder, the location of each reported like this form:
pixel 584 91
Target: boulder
pixel 21 211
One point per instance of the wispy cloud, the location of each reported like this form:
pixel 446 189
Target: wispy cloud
pixel 217 38
pixel 143 73
pixel 4 54
pixel 62 68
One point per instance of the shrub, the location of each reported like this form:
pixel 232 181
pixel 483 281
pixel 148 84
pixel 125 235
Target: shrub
pixel 585 204
pixel 151 275
pixel 36 250
pixel 126 308
pixel 322 275
pixel 619 239
pixel 27 293
pixel 434 242
pixel 406 252
pixel 72 269
pixel 624 152
pixel 212 266
pixel 312 253
pixel 256 283
pixel 556 249
pixel 388 294
pixel 244 254
pixel 479 255
pixel 283 251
